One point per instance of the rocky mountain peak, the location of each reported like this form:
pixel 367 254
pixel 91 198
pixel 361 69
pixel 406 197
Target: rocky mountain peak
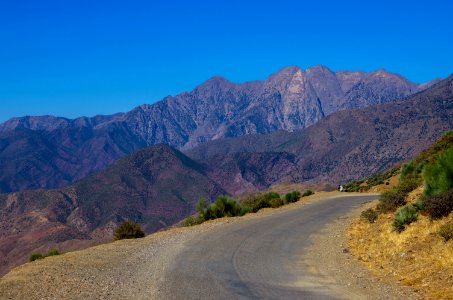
pixel 281 80
pixel 383 74
pixel 319 69
pixel 284 74
pixel 215 82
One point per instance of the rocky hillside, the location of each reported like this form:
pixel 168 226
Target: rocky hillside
pixel 347 144
pixel 48 152
pixel 156 187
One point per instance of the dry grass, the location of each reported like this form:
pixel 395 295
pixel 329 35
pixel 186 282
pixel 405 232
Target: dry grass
pixel 417 257
pixel 392 181
pixel 283 188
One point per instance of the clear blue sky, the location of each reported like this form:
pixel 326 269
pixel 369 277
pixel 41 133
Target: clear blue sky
pixel 73 58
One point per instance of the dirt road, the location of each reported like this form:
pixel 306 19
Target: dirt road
pixel 258 259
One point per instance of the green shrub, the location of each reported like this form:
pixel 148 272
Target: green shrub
pixel 438 206
pixel 446 231
pixel 439 175
pixel 405 216
pixel 36 256
pixel 307 193
pixel 223 206
pixel 129 230
pixel 276 202
pixel 191 221
pixel 53 252
pixel 375 179
pixel 353 186
pixel 408 170
pixel 411 177
pixel 270 196
pixel 370 215
pixel 408 184
pixel 390 200
pixel 294 196
pixel 419 205
pixel 201 209
pixel 256 202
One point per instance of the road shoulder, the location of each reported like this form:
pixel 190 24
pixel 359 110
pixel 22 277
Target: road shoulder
pixel 330 257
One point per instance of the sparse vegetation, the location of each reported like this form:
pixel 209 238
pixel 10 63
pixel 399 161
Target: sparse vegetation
pixel 446 231
pixel 37 256
pixel 353 186
pixel 412 252
pixel 191 221
pixel 390 200
pixel 376 179
pixel 438 206
pixel 380 178
pixel 225 206
pixel 53 252
pixel 404 217
pixel 370 215
pixel 293 197
pixel 129 230
pixel 307 193
pixel 256 202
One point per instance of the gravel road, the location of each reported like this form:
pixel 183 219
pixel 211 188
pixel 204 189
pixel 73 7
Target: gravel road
pixel 257 259
pixel 258 256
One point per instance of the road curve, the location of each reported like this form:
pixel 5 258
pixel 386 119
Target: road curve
pixel 257 259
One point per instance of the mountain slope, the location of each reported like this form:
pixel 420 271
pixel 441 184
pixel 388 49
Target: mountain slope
pixel 57 151
pixel 157 187
pixel 348 144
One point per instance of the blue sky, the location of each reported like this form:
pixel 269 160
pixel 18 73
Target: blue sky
pixel 73 58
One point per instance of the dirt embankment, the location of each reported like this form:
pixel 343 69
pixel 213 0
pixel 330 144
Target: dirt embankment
pixel 418 257
pixel 334 258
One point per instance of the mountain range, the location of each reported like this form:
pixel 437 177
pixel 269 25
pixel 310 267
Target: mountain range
pixel 346 145
pixel 50 152
pixel 158 185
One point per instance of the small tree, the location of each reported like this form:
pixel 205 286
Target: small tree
pixel 201 208
pixel 439 176
pixel 129 230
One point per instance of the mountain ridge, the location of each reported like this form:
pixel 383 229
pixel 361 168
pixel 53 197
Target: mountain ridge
pixel 290 99
pixel 349 144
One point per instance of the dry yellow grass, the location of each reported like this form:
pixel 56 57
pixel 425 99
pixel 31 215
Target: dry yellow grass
pixel 417 257
pixel 392 181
